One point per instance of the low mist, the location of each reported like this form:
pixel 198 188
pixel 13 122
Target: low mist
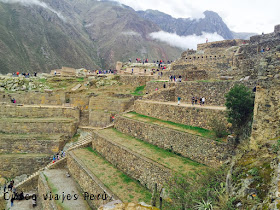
pixel 185 42
pixel 35 2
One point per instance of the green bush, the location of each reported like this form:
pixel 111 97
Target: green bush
pixel 219 128
pixel 240 106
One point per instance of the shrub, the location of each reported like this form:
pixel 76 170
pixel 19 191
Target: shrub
pixel 219 128
pixel 278 48
pixel 240 106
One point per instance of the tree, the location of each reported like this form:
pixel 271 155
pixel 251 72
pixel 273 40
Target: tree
pixel 240 106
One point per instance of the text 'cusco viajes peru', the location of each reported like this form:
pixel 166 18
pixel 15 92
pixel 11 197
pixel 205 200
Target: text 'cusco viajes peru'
pixel 139 105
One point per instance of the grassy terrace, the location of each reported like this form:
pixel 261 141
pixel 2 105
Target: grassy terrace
pixel 170 160
pixel 176 126
pixel 123 186
pixel 139 91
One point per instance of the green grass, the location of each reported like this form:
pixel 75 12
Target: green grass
pixel 124 178
pixel 202 131
pixel 81 79
pixel 139 91
pixel 43 80
pixel 162 152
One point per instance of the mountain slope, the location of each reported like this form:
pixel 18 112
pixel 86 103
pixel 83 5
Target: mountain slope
pixel 186 26
pixel 91 34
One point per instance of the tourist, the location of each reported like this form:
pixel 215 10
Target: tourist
pixel 171 77
pixel 54 159
pixel 174 78
pixel 131 71
pixel 203 100
pixel 12 201
pixel 193 100
pixel 179 99
pixel 54 73
pixel 164 85
pixel 145 71
pixel 200 101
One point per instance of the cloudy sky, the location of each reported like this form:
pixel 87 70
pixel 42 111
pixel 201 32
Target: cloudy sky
pixel 240 15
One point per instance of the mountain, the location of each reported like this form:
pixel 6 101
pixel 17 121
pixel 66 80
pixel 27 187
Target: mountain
pixel 242 35
pixel 75 33
pixel 211 23
pixel 44 35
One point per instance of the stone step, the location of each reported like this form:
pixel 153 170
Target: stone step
pixel 149 163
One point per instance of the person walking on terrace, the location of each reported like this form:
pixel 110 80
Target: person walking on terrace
pixel 193 99
pixel 179 99
pixel 203 100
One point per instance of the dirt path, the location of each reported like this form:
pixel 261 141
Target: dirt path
pixel 187 105
pixel 60 184
pixel 23 204
pixel 168 159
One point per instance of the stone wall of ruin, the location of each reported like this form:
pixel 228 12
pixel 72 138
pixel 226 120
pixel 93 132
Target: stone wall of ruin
pixel 167 94
pixel 43 188
pixel 151 86
pixel 197 148
pixel 14 165
pixel 66 127
pixel 194 116
pixel 30 145
pixel 214 92
pixel 135 80
pixel 38 112
pixel 88 181
pixel 266 121
pixel 146 171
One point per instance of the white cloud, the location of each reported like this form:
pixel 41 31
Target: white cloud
pixel 35 2
pixel 185 42
pixel 241 16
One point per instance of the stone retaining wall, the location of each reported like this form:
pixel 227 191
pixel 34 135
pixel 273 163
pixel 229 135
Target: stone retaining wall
pixel 15 165
pixel 30 145
pixel 197 148
pixel 167 94
pixel 151 86
pixel 194 116
pixel 44 188
pixel 38 111
pixel 214 92
pixel 56 98
pixel 25 126
pixel 145 170
pixel 135 80
pixel 88 181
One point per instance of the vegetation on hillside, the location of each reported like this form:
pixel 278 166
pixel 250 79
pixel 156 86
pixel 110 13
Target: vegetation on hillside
pixel 240 106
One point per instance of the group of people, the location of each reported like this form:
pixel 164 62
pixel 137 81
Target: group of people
pixel 56 157
pixel 175 79
pixel 146 60
pixel 194 100
pixel 201 100
pixel 26 75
